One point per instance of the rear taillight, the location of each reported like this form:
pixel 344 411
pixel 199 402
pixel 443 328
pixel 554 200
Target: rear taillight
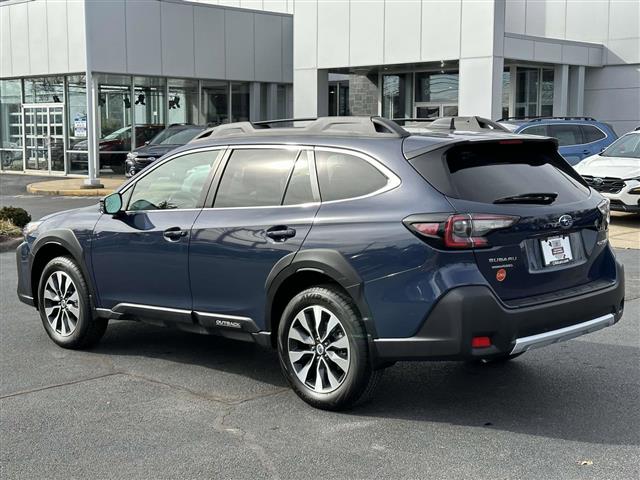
pixel 468 230
pixel 605 209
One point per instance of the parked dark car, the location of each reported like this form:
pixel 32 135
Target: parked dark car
pixel 119 142
pixel 347 245
pixel 578 137
pixel 168 139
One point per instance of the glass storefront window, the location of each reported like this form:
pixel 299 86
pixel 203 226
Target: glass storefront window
pixel 506 92
pixel 11 125
pixel 239 102
pixel 437 87
pixel 396 96
pixel 527 92
pixel 149 101
pixel 44 90
pixel 115 104
pixel 546 93
pixel 77 124
pixel 215 102
pixel 182 104
pixel 265 114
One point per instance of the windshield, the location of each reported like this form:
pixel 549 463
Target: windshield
pixel 627 146
pixel 176 136
pixel 117 134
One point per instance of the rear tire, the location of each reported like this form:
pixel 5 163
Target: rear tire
pixel 65 308
pixel 323 350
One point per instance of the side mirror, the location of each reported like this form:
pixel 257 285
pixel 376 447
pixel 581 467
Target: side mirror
pixel 111 204
pixel 147 142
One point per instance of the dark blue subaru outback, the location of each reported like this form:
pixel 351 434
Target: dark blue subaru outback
pixel 347 244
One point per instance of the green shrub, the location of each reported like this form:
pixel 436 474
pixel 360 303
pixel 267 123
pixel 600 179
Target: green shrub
pixel 8 229
pixel 16 215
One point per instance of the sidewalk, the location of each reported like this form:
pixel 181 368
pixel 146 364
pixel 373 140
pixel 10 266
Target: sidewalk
pixel 73 187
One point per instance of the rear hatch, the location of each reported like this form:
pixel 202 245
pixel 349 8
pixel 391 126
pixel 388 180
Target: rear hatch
pixel 542 230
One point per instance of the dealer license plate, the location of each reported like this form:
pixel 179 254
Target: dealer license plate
pixel 556 250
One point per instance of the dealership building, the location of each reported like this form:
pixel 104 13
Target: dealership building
pixel 74 72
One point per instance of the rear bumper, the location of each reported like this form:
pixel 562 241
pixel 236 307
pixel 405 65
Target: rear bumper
pixel 467 312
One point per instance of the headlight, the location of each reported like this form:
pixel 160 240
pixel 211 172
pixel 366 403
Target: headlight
pixel 30 228
pixel 605 210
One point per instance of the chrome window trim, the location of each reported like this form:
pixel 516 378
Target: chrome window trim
pixel 523 132
pixel 393 180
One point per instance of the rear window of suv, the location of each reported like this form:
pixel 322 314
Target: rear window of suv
pixel 488 172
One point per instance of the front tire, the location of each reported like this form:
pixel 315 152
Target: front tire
pixel 323 350
pixel 64 306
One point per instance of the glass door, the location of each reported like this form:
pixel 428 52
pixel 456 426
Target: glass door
pixel 44 138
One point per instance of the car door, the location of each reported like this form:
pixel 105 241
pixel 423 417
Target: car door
pixel 265 202
pixel 570 141
pixel 140 255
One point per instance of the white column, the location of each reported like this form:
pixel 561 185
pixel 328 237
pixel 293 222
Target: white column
pixel 310 95
pixel 272 101
pixel 481 59
pixel 561 91
pixel 254 102
pixel 576 90
pixel 481 87
pixel 92 132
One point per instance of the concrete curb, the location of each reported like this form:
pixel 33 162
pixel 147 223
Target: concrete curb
pixel 72 188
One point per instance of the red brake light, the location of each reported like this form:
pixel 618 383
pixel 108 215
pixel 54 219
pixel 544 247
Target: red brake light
pixel 480 342
pixel 464 230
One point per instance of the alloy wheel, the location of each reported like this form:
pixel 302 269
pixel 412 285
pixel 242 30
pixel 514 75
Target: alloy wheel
pixel 61 303
pixel 318 349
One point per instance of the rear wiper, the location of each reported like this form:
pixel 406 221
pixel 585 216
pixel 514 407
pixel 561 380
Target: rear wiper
pixel 537 198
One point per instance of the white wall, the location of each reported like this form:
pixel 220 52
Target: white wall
pixel 42 37
pixel 612 94
pixel 186 39
pixel 614 23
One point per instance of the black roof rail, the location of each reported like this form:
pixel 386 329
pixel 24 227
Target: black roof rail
pixel 534 119
pixel 368 126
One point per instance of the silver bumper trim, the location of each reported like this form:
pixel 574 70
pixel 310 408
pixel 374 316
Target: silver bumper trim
pixel 543 339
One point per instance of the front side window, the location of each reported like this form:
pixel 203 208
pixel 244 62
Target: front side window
pixel 255 178
pixel 341 176
pixel 177 183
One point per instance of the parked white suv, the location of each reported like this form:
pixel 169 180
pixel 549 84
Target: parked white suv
pixel 615 172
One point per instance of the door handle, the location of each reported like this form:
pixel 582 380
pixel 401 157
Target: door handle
pixel 174 234
pixel 280 233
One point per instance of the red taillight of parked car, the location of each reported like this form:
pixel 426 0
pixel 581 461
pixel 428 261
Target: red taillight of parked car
pixel 460 231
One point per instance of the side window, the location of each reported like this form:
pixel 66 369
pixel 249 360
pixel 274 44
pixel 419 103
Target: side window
pixel 299 189
pixel 540 130
pixel 341 176
pixel 591 134
pixel 566 134
pixel 175 184
pixel 255 177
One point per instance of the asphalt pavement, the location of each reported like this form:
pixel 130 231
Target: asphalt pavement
pixel 13 192
pixel 156 403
